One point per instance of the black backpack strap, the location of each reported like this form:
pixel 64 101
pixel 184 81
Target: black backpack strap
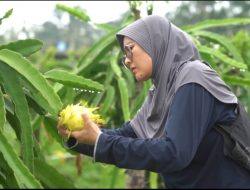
pixel 237 138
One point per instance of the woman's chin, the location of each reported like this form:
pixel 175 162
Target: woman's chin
pixel 140 77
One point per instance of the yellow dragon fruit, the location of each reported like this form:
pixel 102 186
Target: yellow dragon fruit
pixel 71 116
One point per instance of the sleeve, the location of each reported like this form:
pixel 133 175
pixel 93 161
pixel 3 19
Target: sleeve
pixel 126 131
pixel 190 116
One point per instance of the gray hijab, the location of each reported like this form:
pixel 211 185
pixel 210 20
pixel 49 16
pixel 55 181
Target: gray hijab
pixel 176 62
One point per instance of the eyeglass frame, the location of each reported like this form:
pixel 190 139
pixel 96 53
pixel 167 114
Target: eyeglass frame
pixel 128 54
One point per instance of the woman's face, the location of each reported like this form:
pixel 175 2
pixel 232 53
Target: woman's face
pixel 137 60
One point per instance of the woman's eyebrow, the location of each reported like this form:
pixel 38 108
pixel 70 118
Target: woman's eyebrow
pixel 129 43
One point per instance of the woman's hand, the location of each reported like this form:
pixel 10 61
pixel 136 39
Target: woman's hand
pixel 86 135
pixel 62 130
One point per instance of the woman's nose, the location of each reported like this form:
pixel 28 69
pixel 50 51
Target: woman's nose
pixel 127 62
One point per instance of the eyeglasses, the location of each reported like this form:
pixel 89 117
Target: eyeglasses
pixel 127 54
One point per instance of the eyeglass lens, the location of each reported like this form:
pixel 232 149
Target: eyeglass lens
pixel 128 55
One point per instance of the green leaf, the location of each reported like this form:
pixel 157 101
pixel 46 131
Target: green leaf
pixel 93 63
pixel 2 111
pixel 51 177
pixel 130 80
pixel 6 15
pixel 236 80
pixel 13 121
pixel 3 182
pixel 104 26
pixel 108 101
pixel 221 40
pixel 50 125
pixel 22 173
pixel 138 101
pixel 37 122
pixel 11 182
pixel 216 23
pixel 73 80
pixel 77 13
pixel 34 98
pixel 69 95
pixel 221 56
pixel 124 98
pixel 92 56
pixel 33 103
pixel 25 47
pixel 33 76
pixel 115 67
pixel 100 49
pixel 13 88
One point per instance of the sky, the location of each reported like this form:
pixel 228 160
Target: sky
pixel 35 13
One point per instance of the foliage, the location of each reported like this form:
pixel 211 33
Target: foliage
pixel 6 15
pixel 228 56
pixel 35 85
pixel 24 87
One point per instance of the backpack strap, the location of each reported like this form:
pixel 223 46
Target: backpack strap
pixel 237 138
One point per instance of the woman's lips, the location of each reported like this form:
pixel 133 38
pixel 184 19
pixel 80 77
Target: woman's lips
pixel 133 69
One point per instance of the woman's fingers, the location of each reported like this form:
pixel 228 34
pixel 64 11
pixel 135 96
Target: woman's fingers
pixel 62 130
pixel 86 119
pixel 86 135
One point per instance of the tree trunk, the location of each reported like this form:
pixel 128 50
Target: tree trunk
pixel 135 179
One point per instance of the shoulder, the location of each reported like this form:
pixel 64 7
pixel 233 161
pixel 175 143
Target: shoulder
pixel 195 71
pixel 188 72
pixel 192 90
pixel 193 67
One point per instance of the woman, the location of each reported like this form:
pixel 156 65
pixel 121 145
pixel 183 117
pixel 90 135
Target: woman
pixel 173 133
